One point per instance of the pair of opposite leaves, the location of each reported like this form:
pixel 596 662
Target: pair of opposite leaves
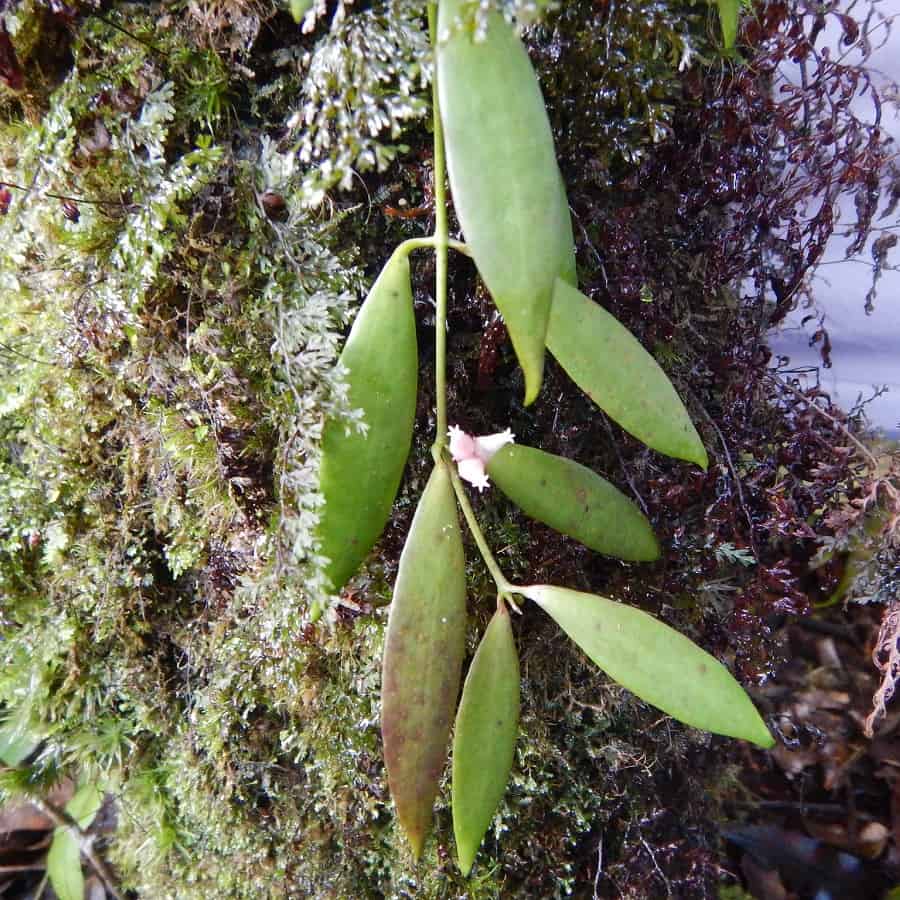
pixel 505 182
pixel 361 471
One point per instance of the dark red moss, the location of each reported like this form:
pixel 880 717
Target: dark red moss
pixel 700 243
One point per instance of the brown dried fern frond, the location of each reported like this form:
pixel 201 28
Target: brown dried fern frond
pixel 886 657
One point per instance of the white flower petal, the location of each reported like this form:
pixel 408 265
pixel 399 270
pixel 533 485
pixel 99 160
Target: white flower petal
pixel 472 470
pixel 462 445
pixel 489 444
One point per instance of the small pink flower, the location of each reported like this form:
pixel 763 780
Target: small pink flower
pixel 472 470
pixel 472 454
pixel 462 445
pixel 487 446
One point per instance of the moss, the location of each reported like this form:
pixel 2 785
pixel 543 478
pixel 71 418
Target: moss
pixel 143 417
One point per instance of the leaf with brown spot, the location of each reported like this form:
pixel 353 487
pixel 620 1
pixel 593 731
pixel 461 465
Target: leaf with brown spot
pixel 574 500
pixel 423 655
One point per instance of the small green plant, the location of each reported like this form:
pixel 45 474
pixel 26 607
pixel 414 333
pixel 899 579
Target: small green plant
pixel 511 202
pixel 64 855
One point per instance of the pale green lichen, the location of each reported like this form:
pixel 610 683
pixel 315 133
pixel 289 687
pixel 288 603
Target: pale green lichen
pixel 362 86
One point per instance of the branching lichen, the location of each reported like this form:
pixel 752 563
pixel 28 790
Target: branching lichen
pixel 364 83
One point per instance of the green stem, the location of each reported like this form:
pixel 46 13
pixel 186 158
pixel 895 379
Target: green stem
pixel 430 243
pixel 440 242
pixel 441 235
pixel 503 586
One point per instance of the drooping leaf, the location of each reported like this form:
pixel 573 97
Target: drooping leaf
pixel 506 184
pixel 609 364
pixel 484 741
pixel 64 865
pixel 729 12
pixel 360 473
pixel 574 500
pixel 423 655
pixel 655 662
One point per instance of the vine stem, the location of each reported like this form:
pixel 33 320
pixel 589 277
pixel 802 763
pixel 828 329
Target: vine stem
pixel 504 587
pixel 440 241
pixel 441 235
pixel 411 244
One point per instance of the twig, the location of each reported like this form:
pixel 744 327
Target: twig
pixel 62 819
pixel 734 475
pixel 599 868
pixel 659 871
pixel 800 807
pixel 39 890
pixel 628 478
pixel 54 196
pixel 841 632
pixel 837 424
pixel 8 348
pixel 886 657
pixel 129 34
pixel 594 250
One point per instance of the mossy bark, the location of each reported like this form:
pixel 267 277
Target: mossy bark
pixel 174 303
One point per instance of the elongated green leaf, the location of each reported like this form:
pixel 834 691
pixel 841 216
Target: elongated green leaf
pixel 64 865
pixel 573 500
pixel 360 473
pixel 729 12
pixel 423 655
pixel 655 662
pixel 506 184
pixel 64 855
pixel 609 364
pixel 485 737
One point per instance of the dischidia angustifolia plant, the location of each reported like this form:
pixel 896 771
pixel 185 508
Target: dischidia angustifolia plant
pixel 490 120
